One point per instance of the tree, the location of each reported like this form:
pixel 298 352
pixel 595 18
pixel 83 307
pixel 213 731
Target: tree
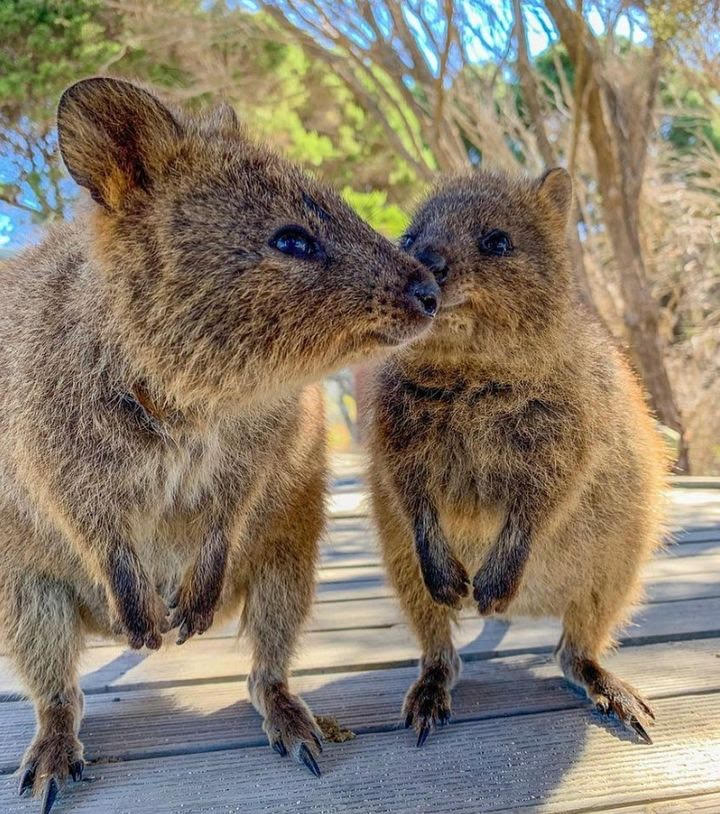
pixel 46 44
pixel 449 64
pixel 617 103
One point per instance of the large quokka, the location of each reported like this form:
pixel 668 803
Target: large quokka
pixel 512 443
pixel 156 432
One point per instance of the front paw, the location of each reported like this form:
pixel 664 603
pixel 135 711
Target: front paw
pixel 191 612
pixel 449 584
pixel 142 619
pixel 493 591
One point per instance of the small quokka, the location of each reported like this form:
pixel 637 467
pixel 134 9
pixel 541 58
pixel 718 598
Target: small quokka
pixel 512 443
pixel 159 444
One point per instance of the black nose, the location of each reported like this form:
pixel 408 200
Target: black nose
pixel 435 262
pixel 424 295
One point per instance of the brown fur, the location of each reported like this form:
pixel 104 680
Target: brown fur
pixel 158 441
pixel 512 443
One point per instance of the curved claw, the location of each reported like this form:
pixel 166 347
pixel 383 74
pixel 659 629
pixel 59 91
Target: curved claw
pixel 640 729
pixel 51 791
pixel 309 760
pixel 318 743
pixel 408 720
pixel 27 779
pixel 76 770
pixel 423 736
pixel 279 747
pixel 183 634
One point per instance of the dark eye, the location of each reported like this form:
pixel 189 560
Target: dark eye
pixel 496 242
pixel 406 241
pixel 296 242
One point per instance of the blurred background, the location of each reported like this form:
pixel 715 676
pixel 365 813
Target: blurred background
pixel 379 97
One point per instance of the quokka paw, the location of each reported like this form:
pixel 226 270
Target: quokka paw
pixel 291 729
pixel 143 620
pixel 493 594
pixel 48 764
pixel 428 703
pixel 449 585
pixel 191 613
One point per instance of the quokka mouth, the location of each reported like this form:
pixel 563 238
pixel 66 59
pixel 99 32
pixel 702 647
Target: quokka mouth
pixel 400 336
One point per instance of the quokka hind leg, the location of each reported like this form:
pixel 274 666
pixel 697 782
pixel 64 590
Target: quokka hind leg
pixel 43 633
pixel 428 702
pixel 587 634
pixel 278 601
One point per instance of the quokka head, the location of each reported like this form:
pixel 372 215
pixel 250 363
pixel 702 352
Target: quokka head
pixel 497 245
pixel 226 270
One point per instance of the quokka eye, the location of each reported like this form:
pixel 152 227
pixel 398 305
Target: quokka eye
pixel 406 241
pixel 296 242
pixel 496 243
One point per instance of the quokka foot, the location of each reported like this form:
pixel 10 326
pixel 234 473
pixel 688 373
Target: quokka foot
pixel 428 702
pixel 611 694
pixel 291 728
pixel 48 764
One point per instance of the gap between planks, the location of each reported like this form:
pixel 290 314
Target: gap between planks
pixel 140 723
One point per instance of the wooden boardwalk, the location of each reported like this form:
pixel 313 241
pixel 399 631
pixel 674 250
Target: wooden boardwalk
pixel 174 731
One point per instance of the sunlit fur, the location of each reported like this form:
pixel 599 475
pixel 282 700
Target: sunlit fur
pixel 516 404
pixel 156 432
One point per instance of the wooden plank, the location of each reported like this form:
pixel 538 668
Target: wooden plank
pixel 557 761
pixel 692 571
pixel 700 803
pixel 355 614
pixel 203 658
pixel 139 723
pixel 367 555
pixel 700 583
pixel 697 563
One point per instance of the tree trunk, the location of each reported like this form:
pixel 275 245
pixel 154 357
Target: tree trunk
pixel 531 97
pixel 618 133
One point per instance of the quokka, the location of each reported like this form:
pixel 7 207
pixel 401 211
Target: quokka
pixel 512 443
pixel 159 442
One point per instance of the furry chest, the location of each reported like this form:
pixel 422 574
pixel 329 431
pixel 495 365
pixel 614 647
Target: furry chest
pixel 175 492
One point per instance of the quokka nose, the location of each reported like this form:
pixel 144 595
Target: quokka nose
pixel 424 296
pixel 435 262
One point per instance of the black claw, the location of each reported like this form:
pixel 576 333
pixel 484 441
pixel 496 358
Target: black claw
pixel 640 729
pixel 27 779
pixel 184 634
pixel 309 760
pixel 408 720
pixel 423 736
pixel 444 718
pixel 76 770
pixel 279 747
pixel 51 792
pixel 318 742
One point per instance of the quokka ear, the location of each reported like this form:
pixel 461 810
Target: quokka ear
pixel 114 137
pixel 555 186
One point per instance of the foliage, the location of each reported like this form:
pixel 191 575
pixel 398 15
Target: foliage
pixel 46 45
